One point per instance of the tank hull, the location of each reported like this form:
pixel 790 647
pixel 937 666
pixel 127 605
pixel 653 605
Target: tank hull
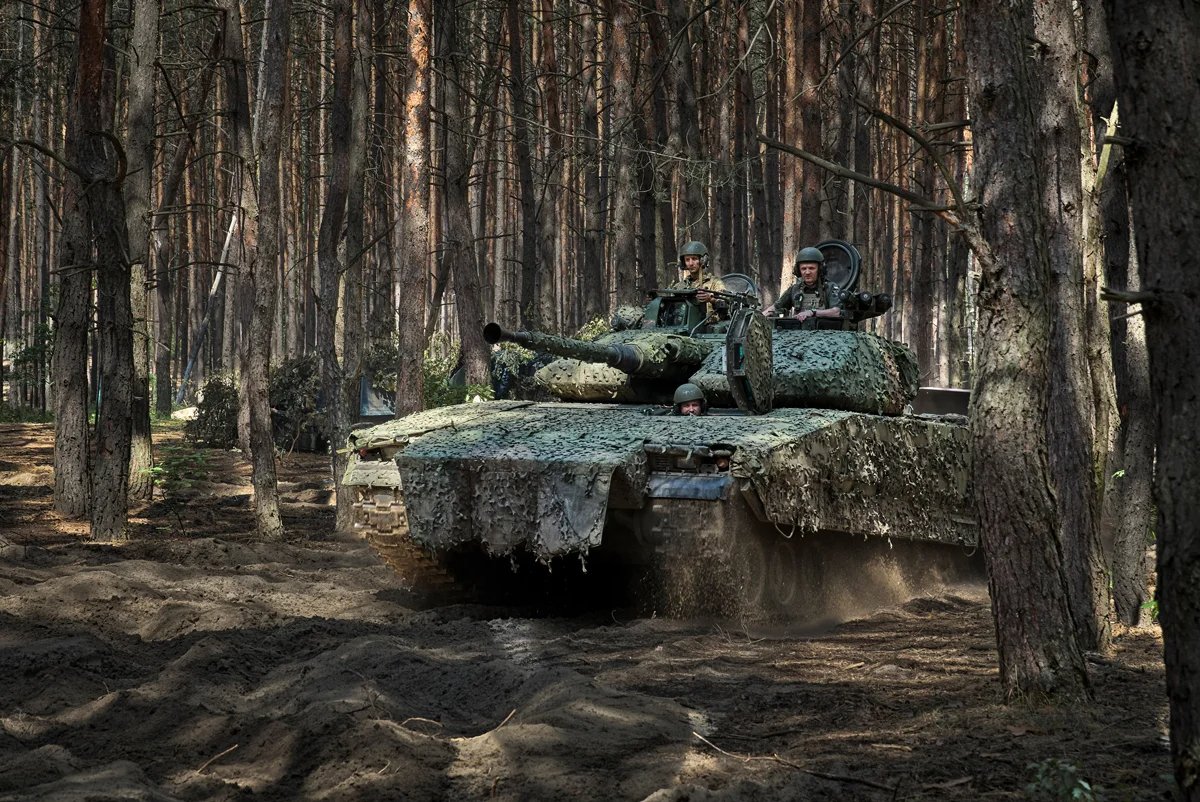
pixel 727 511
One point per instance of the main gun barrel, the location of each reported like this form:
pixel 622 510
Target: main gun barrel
pixel 652 354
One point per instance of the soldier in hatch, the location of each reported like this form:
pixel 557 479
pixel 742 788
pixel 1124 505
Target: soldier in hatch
pixel 811 296
pixel 694 275
pixel 689 400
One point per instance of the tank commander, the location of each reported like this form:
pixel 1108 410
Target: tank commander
pixel 689 400
pixel 811 296
pixel 694 275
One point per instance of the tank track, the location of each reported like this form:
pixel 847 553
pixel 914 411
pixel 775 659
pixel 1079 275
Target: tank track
pixel 380 516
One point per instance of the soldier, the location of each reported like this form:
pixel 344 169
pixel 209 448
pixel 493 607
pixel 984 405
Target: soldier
pixel 689 400
pixel 693 266
pixel 811 296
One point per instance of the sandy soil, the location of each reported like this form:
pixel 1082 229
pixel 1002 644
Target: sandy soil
pixel 195 663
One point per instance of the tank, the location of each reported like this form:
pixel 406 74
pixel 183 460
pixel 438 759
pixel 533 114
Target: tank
pixel 809 484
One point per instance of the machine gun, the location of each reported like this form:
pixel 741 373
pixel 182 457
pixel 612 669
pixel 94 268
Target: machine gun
pixel 734 300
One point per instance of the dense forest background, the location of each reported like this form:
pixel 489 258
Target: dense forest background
pixel 195 188
pixel 574 147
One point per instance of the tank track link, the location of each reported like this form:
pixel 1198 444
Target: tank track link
pixel 380 516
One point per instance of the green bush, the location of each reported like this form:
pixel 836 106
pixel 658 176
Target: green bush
pixel 215 424
pixel 294 392
pixel 1060 781
pixel 11 414
pixel 177 466
pixel 439 384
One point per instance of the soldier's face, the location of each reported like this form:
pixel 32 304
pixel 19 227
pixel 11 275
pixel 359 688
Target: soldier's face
pixel 691 264
pixel 809 272
pixel 691 408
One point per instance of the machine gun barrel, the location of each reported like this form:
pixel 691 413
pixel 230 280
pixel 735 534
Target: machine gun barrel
pixel 653 355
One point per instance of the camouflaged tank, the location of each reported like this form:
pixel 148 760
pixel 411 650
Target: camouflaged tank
pixel 809 482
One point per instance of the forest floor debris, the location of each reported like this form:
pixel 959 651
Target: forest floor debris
pixel 197 663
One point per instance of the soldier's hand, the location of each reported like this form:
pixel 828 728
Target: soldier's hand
pixel 704 296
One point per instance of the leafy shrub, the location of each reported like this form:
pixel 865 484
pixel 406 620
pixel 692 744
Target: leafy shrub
pixel 178 465
pixel 294 394
pixel 215 424
pixel 12 414
pixel 1060 781
pixel 441 377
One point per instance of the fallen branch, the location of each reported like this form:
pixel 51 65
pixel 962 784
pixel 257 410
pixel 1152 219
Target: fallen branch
pixel 775 758
pixel 214 759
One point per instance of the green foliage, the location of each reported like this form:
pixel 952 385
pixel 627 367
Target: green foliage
pixel 215 424
pixel 33 359
pixel 1151 607
pixel 178 466
pixel 294 392
pixel 441 382
pixel 594 329
pixel 11 414
pixel 1060 781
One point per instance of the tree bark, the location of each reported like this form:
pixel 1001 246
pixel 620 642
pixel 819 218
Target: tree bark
pixel 137 209
pixel 809 104
pixel 459 252
pixel 624 188
pixel 258 243
pixel 336 415
pixel 1072 413
pixel 1156 47
pixel 694 222
pixel 105 167
pixel 1018 516
pixel 414 246
pixel 72 484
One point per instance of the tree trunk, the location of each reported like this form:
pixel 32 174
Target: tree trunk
pixel 258 245
pixel 810 122
pixel 624 188
pixel 352 287
pixel 593 286
pixel 414 250
pixel 114 325
pixel 460 241
pixel 532 274
pixel 694 222
pixel 337 185
pixel 1018 517
pixel 1072 427
pixel 72 480
pixel 140 152
pixel 1156 47
pixel 1127 505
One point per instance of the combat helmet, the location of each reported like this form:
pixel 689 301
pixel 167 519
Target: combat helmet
pixel 694 248
pixel 689 392
pixel 811 254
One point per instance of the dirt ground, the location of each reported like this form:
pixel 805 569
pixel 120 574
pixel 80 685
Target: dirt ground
pixel 195 663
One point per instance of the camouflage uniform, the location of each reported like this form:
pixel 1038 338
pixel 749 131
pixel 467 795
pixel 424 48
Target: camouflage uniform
pixel 706 282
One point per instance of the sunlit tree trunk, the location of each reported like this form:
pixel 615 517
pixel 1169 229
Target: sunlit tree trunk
pixel 414 246
pixel 625 47
pixel 140 152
